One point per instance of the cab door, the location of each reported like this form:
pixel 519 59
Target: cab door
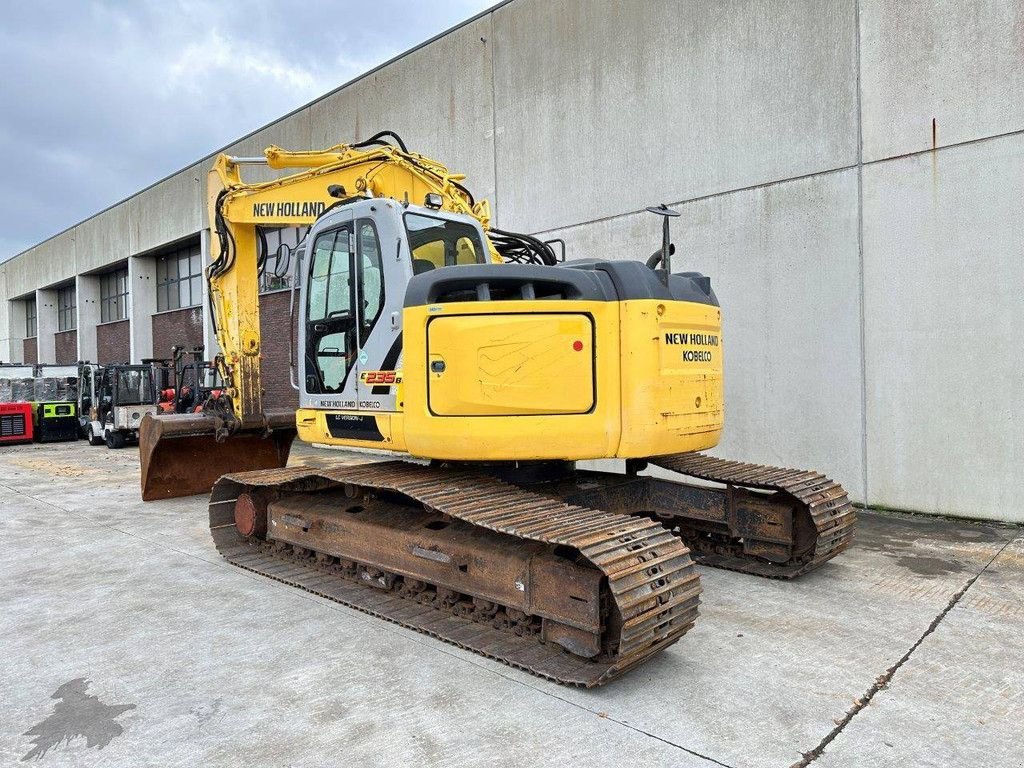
pixel 354 283
pixel 328 335
pixel 382 272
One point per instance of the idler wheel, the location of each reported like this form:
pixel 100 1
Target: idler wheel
pixel 251 515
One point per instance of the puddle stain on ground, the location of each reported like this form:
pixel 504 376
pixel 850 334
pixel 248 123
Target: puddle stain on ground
pixel 929 566
pixel 77 714
pixel 929 548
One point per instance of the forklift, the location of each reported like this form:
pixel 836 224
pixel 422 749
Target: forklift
pixel 88 380
pixel 124 395
pixel 196 380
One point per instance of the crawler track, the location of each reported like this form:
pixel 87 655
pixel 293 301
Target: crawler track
pixel 652 587
pixel 816 496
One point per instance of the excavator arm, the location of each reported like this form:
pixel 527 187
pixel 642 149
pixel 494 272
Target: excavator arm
pixel 238 211
pixel 185 454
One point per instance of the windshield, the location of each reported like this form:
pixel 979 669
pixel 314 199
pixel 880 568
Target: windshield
pixel 135 387
pixel 437 242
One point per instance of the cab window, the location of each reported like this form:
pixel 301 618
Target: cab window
pixel 330 314
pixel 371 278
pixel 437 242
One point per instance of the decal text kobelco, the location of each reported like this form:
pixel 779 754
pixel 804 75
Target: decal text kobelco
pixel 694 340
pixel 289 208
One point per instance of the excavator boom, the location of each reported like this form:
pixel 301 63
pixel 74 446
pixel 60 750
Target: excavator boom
pixel 183 455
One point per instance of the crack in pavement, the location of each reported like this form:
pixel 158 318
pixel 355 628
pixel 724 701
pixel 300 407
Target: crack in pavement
pixel 883 680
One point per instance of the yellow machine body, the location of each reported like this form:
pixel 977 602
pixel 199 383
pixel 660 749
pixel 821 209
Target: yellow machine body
pixel 516 381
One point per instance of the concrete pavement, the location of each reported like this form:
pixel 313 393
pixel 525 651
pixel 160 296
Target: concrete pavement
pixel 127 641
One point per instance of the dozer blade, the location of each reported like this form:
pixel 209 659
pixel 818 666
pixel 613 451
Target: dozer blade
pixel 181 457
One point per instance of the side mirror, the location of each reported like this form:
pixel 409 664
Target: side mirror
pixel 284 252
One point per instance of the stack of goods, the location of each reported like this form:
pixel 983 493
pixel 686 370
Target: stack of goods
pixel 52 389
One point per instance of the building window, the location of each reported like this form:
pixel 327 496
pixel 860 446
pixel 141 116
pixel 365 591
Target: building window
pixel 114 296
pixel 66 308
pixel 277 273
pixel 30 318
pixel 179 276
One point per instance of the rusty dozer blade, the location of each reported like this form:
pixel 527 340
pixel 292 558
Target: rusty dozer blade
pixel 180 455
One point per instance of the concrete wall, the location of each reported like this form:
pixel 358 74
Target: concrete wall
pixel 12 330
pixel 141 305
pixel 605 107
pixel 943 239
pixel 46 324
pixel 87 294
pixel 849 173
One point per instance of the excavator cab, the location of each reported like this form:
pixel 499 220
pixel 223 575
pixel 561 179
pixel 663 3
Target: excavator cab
pixel 352 286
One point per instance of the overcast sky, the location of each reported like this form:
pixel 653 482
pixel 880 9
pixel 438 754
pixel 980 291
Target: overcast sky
pixel 100 99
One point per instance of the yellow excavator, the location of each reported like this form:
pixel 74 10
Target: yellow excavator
pixel 488 368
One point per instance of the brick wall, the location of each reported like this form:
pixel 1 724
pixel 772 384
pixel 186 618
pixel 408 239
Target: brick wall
pixel 113 344
pixel 274 365
pixel 31 351
pixel 65 345
pixel 182 327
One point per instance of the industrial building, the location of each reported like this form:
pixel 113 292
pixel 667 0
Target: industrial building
pixel 848 172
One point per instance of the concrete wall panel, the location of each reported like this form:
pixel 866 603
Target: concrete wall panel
pixel 141 305
pixel 50 262
pixel 103 239
pixel 438 99
pixel 959 63
pixel 604 107
pixel 783 261
pixel 943 238
pixel 46 325
pixel 7 311
pixel 13 350
pixel 88 314
pixel 169 211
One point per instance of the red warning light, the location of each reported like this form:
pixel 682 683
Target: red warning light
pixel 578 346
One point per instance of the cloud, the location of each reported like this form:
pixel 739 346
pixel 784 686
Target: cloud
pixel 101 99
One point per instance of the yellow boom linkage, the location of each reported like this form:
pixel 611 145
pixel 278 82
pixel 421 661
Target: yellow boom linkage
pixel 184 454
